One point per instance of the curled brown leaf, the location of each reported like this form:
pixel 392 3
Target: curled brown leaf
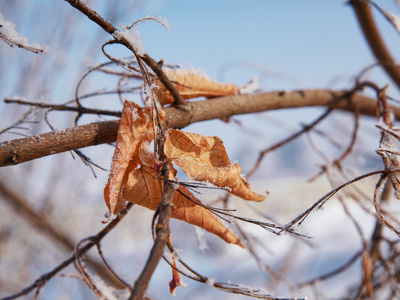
pixel 192 84
pixel 142 187
pixel 204 158
pixel 135 129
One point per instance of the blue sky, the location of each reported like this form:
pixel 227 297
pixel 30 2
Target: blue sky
pixel 312 41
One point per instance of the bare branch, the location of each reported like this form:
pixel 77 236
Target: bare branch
pixel 317 205
pixel 22 150
pixel 374 39
pixel 109 28
pixel 285 141
pixel 94 240
pixel 62 107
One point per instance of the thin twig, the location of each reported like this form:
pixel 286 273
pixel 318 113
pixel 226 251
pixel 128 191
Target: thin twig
pixel 285 141
pixel 82 270
pixel 226 287
pixel 62 107
pixel 318 204
pixel 109 28
pixel 95 240
pixel 13 43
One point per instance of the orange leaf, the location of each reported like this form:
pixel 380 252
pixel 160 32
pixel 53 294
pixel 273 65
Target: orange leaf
pixel 132 179
pixel 192 84
pixel 176 278
pixel 142 187
pixel 204 158
pixel 135 129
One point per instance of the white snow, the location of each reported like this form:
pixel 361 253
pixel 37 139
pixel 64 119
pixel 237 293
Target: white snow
pixel 135 114
pixel 163 21
pixel 133 37
pixel 210 281
pixel 7 30
pixel 250 87
pixel 394 19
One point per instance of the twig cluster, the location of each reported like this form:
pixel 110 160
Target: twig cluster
pixel 379 269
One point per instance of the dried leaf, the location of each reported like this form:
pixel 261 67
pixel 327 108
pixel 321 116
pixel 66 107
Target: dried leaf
pixel 135 129
pixel 192 84
pixel 142 187
pixel 176 278
pixel 133 176
pixel 204 158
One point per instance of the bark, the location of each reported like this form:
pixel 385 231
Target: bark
pixel 21 150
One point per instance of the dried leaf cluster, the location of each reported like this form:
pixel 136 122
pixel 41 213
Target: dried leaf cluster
pixel 134 174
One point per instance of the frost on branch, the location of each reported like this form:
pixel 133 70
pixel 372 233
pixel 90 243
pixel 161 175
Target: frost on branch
pixel 392 18
pixel 14 38
pixel 133 37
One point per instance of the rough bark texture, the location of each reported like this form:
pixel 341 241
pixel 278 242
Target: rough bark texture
pixel 21 150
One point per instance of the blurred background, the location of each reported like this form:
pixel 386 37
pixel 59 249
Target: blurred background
pixel 288 45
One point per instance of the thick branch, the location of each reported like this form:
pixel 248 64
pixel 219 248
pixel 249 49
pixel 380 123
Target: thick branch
pixel 374 39
pixel 21 150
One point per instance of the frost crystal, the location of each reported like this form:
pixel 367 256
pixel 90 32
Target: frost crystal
pixel 161 20
pixel 164 22
pixel 133 37
pixel 174 185
pixel 7 30
pixel 210 281
pixel 394 19
pixel 135 114
pixel 104 288
pixel 250 87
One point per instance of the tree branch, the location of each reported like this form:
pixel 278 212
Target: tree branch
pixel 63 107
pixel 21 150
pixel 49 229
pixel 374 39
pixel 109 28
pixel 94 241
pixel 162 237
